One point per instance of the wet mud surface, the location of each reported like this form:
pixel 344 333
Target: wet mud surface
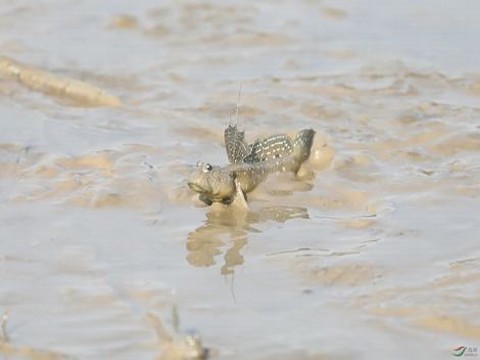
pixel 374 249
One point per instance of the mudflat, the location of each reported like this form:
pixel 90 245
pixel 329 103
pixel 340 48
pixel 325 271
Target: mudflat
pixel 105 110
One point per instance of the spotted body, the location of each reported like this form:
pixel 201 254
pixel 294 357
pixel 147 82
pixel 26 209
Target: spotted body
pixel 249 164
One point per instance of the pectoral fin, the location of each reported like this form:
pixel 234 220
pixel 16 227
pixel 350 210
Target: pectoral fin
pixel 240 199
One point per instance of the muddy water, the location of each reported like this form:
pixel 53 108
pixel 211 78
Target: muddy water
pixel 374 252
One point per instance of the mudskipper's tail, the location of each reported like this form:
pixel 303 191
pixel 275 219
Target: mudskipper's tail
pixel 302 144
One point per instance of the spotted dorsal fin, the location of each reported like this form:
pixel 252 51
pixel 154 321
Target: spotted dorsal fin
pixel 272 147
pixel 235 144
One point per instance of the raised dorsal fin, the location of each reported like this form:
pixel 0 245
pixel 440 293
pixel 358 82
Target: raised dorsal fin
pixel 272 147
pixel 235 144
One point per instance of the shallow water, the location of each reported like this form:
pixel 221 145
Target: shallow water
pixel 373 253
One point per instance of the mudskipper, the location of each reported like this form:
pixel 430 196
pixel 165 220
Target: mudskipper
pixel 249 165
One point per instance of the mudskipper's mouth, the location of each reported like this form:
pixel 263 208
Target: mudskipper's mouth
pixel 197 188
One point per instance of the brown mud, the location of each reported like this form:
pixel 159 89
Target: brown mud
pixel 372 252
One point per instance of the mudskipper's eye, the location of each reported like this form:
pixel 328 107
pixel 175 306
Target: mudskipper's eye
pixel 207 168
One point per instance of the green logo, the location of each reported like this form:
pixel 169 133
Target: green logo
pixel 459 351
pixel 465 351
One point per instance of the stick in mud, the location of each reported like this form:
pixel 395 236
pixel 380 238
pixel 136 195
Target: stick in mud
pixel 61 87
pixel 4 337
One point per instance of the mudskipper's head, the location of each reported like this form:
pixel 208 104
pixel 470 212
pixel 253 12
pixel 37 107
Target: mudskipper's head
pixel 213 183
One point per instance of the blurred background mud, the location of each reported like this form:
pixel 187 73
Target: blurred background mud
pixel 105 107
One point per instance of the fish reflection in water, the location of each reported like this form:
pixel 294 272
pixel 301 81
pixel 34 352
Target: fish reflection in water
pixel 230 225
